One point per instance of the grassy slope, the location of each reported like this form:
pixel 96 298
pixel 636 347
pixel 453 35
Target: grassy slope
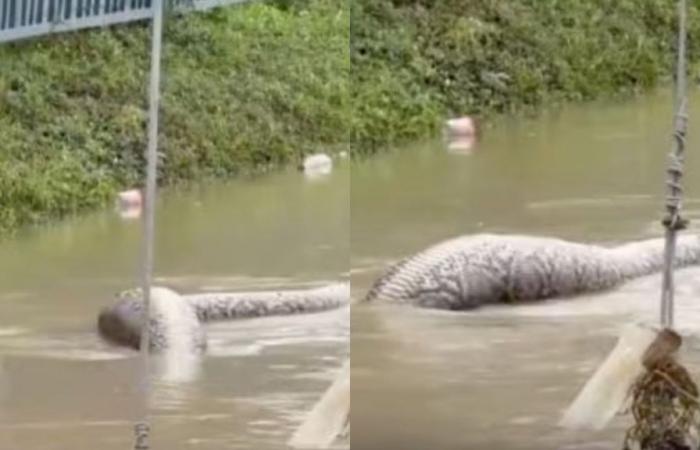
pixel 250 88
pixel 244 89
pixel 416 61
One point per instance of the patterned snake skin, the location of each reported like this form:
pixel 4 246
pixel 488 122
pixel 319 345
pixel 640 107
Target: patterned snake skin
pixel 176 320
pixel 466 272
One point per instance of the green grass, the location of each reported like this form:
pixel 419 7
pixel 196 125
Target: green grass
pixel 416 62
pixel 245 89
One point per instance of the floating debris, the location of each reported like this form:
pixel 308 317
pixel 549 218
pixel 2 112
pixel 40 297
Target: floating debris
pixel 604 394
pixel 461 135
pixel 664 401
pixel 317 164
pixel 461 127
pixel 129 204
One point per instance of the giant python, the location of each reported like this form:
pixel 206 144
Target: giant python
pixel 469 271
pixel 177 321
pixel 458 274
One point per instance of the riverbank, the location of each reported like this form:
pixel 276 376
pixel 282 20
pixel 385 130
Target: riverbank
pixel 416 63
pixel 244 91
pixel 250 88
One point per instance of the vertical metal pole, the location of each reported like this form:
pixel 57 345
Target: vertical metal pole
pixel 18 12
pixel 142 429
pixel 30 13
pixel 45 13
pixel 673 221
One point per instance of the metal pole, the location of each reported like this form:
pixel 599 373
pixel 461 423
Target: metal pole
pixel 673 221
pixel 142 429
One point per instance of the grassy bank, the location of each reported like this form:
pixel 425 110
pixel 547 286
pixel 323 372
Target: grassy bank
pixel 414 62
pixel 244 89
pixel 249 88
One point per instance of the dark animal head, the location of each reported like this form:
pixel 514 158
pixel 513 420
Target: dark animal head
pixel 120 323
pixel 173 323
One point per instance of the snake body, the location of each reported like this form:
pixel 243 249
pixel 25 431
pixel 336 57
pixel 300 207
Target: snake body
pixel 469 271
pixel 177 321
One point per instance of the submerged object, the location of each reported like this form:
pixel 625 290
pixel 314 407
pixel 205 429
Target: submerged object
pixel 604 394
pixel 329 419
pixel 461 146
pixel 317 164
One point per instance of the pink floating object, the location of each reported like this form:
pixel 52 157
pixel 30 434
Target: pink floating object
pixel 461 127
pixel 129 204
pixel 131 198
pixel 461 135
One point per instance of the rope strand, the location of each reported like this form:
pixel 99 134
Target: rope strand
pixel 673 220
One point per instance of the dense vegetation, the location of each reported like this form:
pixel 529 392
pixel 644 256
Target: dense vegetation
pixel 254 87
pixel 244 89
pixel 416 61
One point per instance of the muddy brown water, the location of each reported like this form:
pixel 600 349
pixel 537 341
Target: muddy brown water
pixel 499 378
pixel 496 378
pixel 61 387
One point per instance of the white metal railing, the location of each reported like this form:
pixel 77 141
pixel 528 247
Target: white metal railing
pixel 21 19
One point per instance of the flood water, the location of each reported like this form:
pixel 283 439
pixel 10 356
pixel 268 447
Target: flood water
pixel 499 378
pixel 61 387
